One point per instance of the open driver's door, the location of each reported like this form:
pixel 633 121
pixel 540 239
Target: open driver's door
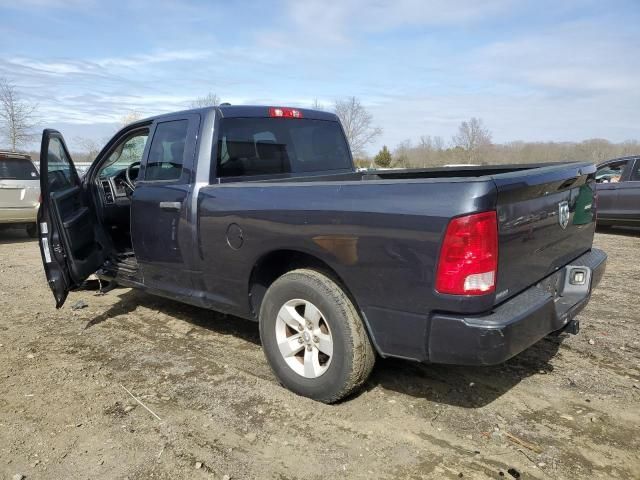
pixel 66 221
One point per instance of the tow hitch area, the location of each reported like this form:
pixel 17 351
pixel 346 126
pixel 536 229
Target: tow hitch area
pixel 573 327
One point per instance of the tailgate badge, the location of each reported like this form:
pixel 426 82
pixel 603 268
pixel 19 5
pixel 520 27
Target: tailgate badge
pixel 563 217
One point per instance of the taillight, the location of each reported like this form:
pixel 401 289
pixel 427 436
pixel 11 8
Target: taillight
pixel 468 262
pixel 284 112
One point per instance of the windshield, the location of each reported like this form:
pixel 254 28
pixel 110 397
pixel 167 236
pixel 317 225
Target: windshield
pixel 268 146
pixel 125 153
pixel 18 169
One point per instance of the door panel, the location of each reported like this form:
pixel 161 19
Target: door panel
pixel 607 194
pixel 629 201
pixel 610 178
pixel 629 195
pixel 66 221
pixel 160 229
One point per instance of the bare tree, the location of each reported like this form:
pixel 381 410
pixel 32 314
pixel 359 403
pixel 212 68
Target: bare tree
pixel 90 147
pixel 357 123
pixel 401 154
pixel 129 117
pixel 209 100
pixel 18 117
pixel 473 137
pixel 316 105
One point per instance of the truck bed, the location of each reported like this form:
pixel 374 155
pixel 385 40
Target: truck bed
pixel 449 173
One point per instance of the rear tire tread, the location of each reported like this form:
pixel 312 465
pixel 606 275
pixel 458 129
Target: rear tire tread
pixel 363 355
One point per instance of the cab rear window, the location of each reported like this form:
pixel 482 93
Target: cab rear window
pixel 17 169
pixel 271 146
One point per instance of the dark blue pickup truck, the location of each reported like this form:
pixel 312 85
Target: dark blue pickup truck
pixel 258 212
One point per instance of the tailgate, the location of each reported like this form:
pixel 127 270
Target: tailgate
pixel 546 218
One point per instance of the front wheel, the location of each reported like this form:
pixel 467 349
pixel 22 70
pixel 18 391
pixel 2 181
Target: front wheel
pixel 313 336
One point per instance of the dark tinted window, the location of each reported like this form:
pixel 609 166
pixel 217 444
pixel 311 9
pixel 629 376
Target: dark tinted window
pixel 17 169
pixel 166 153
pixel 267 146
pixel 59 172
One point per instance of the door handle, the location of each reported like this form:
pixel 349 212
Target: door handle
pixel 171 206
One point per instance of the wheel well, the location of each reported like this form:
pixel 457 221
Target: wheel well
pixel 275 264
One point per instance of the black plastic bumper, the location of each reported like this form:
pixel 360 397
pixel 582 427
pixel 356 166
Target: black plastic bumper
pixel 514 325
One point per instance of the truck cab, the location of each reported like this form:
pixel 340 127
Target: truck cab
pixel 133 215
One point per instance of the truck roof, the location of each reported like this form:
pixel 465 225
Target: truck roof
pixel 245 111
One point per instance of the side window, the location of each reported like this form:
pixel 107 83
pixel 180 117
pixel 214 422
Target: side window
pixel 635 175
pixel 611 173
pixel 166 154
pixel 60 174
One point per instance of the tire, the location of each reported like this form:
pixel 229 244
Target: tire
pixel 332 316
pixel 32 230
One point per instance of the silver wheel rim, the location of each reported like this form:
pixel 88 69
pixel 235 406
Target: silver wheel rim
pixel 304 338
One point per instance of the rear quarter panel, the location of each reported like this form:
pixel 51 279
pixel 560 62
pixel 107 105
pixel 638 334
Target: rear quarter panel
pixel 381 238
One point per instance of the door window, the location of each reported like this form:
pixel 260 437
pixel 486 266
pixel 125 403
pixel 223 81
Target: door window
pixel 611 173
pixel 60 173
pixel 166 154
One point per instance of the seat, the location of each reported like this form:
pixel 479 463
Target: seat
pixel 272 159
pixel 168 168
pixel 325 150
pixel 241 154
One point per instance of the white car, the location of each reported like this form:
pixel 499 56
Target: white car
pixel 19 191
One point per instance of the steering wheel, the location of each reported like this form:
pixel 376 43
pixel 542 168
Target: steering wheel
pixel 131 183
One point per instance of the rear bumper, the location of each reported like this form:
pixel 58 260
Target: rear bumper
pixel 514 325
pixel 18 215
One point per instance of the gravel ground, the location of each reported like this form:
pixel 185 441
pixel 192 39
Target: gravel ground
pixel 566 408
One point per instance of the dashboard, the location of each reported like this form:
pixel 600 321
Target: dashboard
pixel 113 188
pixel 114 207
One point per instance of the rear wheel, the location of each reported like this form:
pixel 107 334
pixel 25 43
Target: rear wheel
pixel 313 336
pixel 32 230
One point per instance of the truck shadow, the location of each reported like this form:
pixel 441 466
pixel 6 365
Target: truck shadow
pixel 464 386
pixel 219 323
pixel 624 231
pixel 467 387
pixel 14 235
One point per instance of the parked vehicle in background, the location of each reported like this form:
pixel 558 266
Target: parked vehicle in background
pixel 19 191
pixel 618 188
pixel 258 212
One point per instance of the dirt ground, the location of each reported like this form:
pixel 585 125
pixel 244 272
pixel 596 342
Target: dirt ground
pixel 569 407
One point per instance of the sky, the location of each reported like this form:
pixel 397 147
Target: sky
pixel 532 70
